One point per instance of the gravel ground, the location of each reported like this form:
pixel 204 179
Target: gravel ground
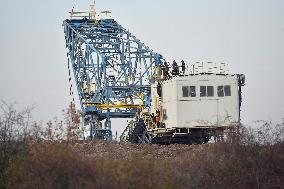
pixel 117 150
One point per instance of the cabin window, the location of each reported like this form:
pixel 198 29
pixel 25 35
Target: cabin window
pixel 185 91
pixel 206 91
pixel 220 91
pixel 210 91
pixel 227 89
pixel 192 91
pixel 202 91
pixel 224 91
pixel 188 91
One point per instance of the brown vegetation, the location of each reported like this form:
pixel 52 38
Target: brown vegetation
pixel 38 160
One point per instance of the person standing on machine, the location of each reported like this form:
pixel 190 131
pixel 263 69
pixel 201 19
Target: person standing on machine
pixel 175 70
pixel 182 67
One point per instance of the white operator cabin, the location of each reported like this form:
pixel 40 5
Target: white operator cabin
pixel 199 101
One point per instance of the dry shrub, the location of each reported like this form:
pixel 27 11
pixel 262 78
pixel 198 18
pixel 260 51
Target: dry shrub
pixel 51 165
pixel 55 165
pixel 54 158
pixel 219 165
pixel 224 165
pixel 135 173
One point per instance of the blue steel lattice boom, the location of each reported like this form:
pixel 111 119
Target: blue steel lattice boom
pixel 113 70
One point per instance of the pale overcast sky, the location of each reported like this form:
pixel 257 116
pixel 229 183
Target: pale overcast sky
pixel 246 34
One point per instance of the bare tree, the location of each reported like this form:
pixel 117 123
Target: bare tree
pixel 14 130
pixel 72 118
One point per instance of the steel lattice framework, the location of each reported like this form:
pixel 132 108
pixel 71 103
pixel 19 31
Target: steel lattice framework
pixel 113 70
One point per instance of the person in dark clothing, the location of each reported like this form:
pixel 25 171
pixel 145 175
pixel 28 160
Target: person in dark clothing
pixel 163 68
pixel 158 118
pixel 183 67
pixel 166 69
pixel 175 70
pixel 153 119
pixel 159 89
